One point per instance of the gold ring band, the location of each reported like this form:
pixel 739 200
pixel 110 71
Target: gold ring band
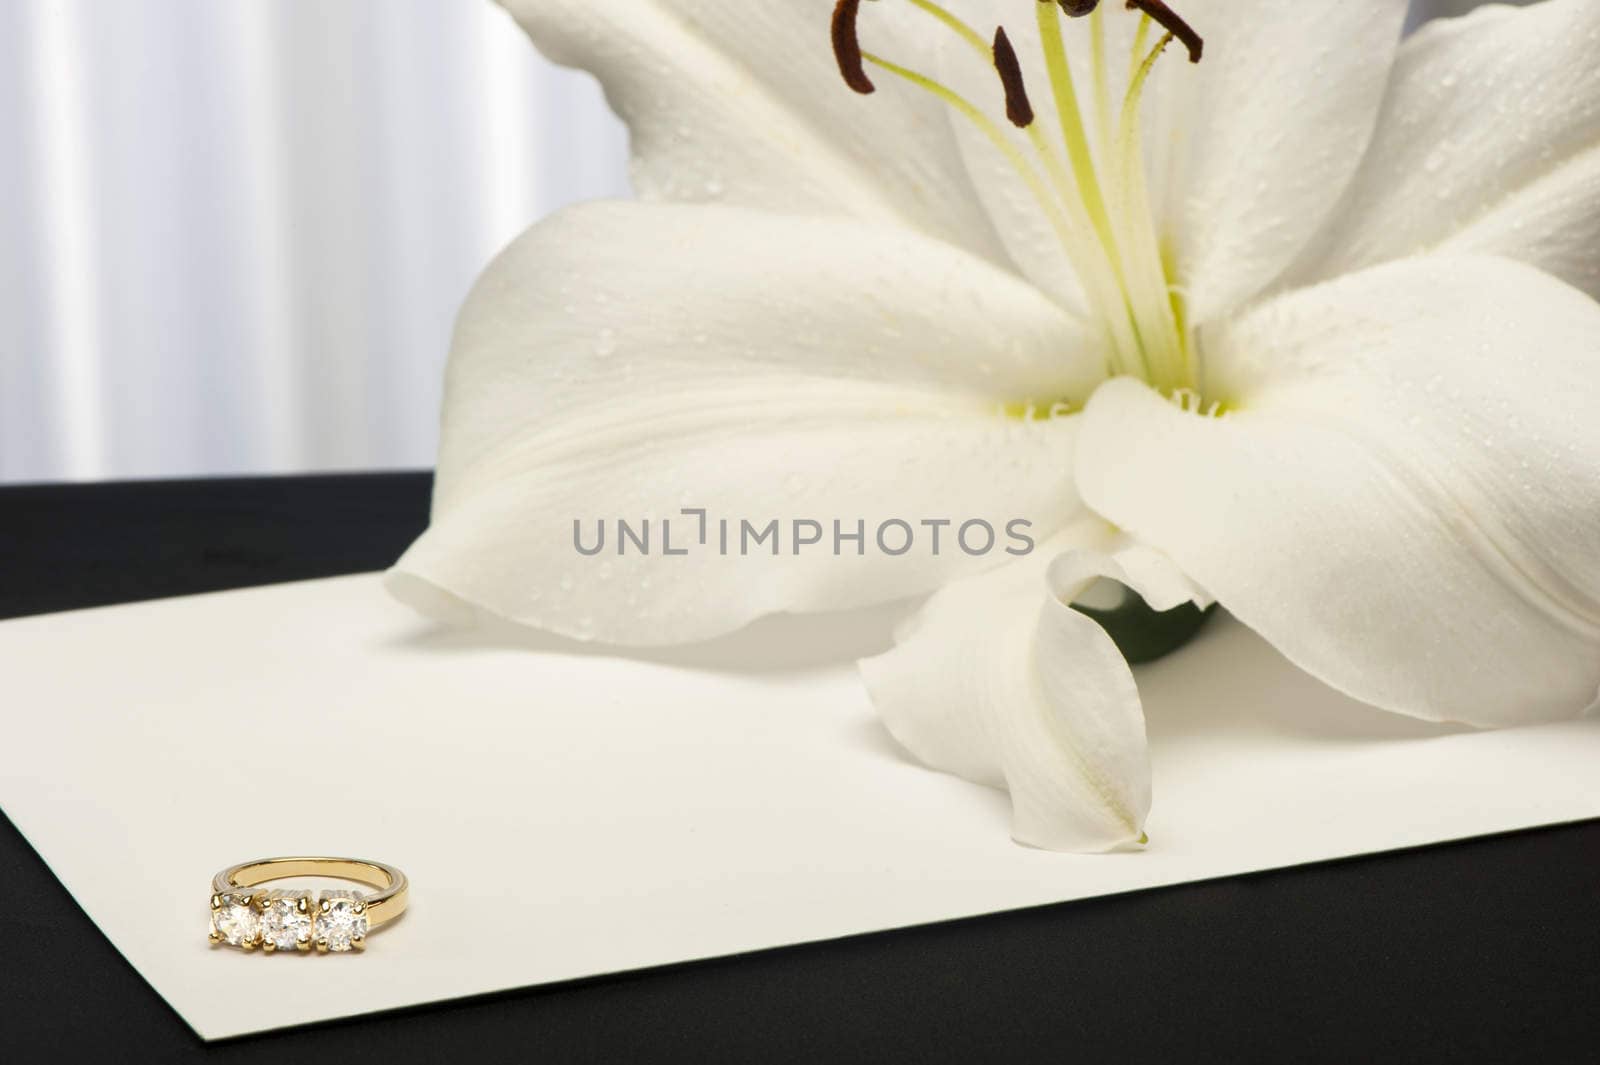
pixel 332 921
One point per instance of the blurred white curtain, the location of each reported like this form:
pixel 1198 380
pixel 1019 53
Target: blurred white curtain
pixel 234 233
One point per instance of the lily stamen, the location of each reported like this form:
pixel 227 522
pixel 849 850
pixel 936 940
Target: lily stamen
pixel 1158 10
pixel 1018 109
pixel 847 47
pixel 1173 23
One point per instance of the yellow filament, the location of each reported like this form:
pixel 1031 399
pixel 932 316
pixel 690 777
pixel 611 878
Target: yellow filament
pixel 1090 258
pixel 1140 39
pixel 1102 83
pixel 1142 244
pixel 1072 131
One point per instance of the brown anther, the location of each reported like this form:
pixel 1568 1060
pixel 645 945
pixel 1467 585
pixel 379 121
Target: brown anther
pixel 1170 21
pixel 1018 109
pixel 1076 8
pixel 847 47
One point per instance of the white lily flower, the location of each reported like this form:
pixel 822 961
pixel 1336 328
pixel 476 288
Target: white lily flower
pixel 1308 328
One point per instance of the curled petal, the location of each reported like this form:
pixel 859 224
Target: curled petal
pixel 998 681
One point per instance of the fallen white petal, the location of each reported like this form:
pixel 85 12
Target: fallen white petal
pixel 998 681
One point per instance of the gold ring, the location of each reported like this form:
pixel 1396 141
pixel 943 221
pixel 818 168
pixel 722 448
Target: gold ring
pixel 332 921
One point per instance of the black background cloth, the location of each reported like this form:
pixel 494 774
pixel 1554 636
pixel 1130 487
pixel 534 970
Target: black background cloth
pixel 1487 950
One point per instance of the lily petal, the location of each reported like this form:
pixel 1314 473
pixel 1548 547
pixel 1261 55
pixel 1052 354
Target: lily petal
pixel 1403 498
pixel 769 368
pixel 998 681
pixel 742 104
pixel 1267 134
pixel 1489 143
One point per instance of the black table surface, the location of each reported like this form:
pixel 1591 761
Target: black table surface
pixel 1487 950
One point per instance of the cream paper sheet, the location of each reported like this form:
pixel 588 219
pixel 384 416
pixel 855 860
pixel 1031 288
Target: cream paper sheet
pixel 564 812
